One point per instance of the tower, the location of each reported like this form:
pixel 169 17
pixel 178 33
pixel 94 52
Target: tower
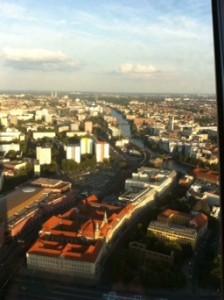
pixel 102 150
pixel 97 231
pixel 105 219
pixel 171 125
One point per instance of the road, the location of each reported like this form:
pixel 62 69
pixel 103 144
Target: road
pixel 26 286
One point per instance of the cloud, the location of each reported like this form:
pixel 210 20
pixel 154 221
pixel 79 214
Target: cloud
pixel 38 59
pixel 137 69
pixel 11 10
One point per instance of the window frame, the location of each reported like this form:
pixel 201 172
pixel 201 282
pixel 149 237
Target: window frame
pixel 218 36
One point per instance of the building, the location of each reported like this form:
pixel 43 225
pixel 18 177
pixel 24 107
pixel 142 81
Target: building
pixel 75 243
pixel 86 145
pixel 74 260
pixel 74 152
pixel 174 217
pixel 24 207
pixel 63 128
pixel 206 175
pixel 13 120
pixel 74 126
pixel 11 135
pixel 40 135
pixel 115 131
pixel 88 126
pixel 149 255
pixel 138 198
pixel 48 119
pixel 55 185
pixel 177 233
pixel 180 227
pixel 43 155
pixel 171 123
pixel 7 147
pixel 158 179
pixel 4 121
pixel 102 150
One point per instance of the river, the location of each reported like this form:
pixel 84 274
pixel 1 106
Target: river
pixel 169 164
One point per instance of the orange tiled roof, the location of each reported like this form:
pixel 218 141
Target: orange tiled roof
pixel 72 251
pixel 88 229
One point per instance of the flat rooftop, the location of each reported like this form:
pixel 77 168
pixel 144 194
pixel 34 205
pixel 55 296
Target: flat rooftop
pixel 46 182
pixel 18 196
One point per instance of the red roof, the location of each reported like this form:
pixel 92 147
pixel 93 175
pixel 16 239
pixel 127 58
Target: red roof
pixel 206 174
pixel 200 220
pixel 169 212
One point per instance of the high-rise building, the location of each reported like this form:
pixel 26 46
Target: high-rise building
pixel 88 126
pixel 74 152
pixel 43 154
pixel 48 119
pixel 54 94
pixel 102 151
pixel 86 145
pixel 171 124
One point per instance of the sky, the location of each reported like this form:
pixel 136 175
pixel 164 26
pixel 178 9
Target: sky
pixel 145 46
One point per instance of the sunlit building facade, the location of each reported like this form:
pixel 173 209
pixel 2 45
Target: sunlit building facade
pixel 74 152
pixel 102 151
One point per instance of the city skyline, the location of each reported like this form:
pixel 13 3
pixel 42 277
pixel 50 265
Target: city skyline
pixel 107 46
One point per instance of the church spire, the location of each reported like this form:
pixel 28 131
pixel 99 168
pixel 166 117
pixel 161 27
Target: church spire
pixel 105 219
pixel 97 231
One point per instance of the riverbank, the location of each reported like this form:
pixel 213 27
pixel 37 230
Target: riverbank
pixel 170 164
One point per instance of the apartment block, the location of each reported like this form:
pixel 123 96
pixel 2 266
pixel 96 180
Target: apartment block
pixel 86 145
pixel 43 155
pixel 180 227
pixel 102 150
pixel 74 152
pixel 88 126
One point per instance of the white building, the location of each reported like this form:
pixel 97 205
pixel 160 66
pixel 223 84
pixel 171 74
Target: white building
pixel 25 117
pixel 4 121
pixel 39 134
pixel 7 147
pixel 86 145
pixel 115 131
pixel 43 155
pixel 74 152
pixel 171 124
pixel 102 151
pixel 11 134
pixel 48 119
pixel 158 179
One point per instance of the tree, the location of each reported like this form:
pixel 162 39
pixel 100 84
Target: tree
pixel 69 165
pixel 48 170
pixel 11 154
